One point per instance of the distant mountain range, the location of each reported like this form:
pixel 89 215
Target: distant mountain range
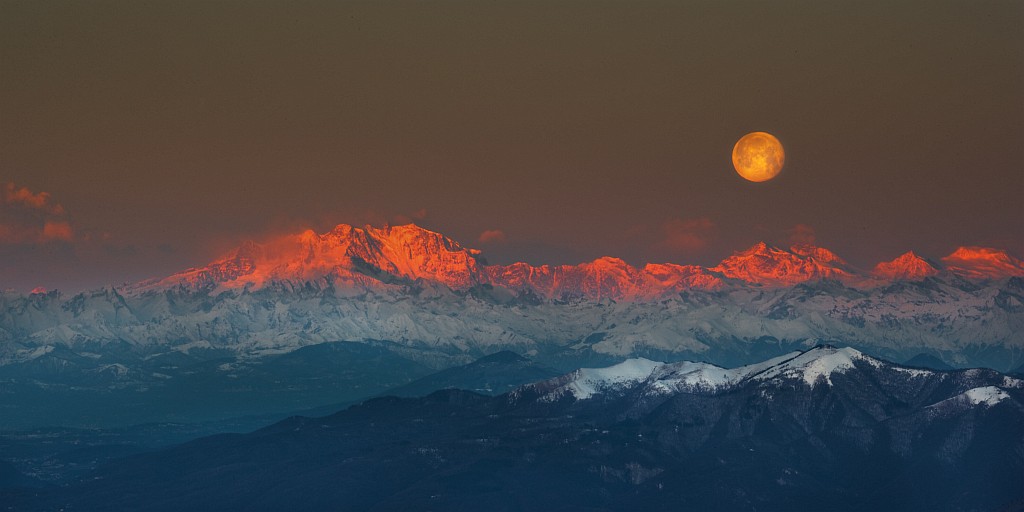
pixel 824 429
pixel 367 257
pixel 429 302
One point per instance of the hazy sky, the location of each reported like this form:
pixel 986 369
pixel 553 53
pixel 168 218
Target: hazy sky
pixel 164 133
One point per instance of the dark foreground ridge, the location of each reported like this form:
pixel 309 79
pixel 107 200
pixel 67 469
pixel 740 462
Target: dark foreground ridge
pixel 827 429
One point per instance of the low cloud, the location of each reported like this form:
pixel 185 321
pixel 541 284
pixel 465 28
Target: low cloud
pixel 492 236
pixel 16 196
pixel 687 235
pixel 57 230
pixel 29 218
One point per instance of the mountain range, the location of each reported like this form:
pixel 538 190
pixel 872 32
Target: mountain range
pixel 368 257
pixel 427 303
pixel 824 429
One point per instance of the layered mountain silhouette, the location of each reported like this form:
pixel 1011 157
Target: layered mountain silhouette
pixel 415 300
pixel 823 429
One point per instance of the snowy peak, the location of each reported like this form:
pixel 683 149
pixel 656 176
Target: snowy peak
pixel 234 267
pixel 587 382
pixel 667 276
pixel 346 252
pixel 767 265
pixel 907 267
pixel 688 376
pixel 814 367
pixel 983 263
pixel 819 254
pixel 817 365
pixel 603 278
pixel 986 395
pixel 415 253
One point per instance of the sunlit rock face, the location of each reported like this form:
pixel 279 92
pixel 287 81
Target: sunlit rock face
pixel 983 263
pixel 356 255
pixel 908 266
pixel 766 265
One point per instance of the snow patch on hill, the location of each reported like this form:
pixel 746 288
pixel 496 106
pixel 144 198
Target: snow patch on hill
pixel 987 396
pixel 818 365
pixel 590 381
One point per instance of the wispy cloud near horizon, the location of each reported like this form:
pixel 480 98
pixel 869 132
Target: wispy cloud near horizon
pixel 28 217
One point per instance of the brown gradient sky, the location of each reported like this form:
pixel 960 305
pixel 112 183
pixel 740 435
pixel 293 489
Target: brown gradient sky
pixel 169 131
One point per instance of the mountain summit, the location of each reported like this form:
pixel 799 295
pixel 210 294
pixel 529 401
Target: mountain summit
pixel 767 265
pixel 346 253
pixel 908 267
pixel 983 263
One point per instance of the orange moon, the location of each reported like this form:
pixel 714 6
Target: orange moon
pixel 758 156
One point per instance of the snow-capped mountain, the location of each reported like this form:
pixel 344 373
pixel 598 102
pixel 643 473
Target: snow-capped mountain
pixel 763 264
pixel 907 267
pixel 828 428
pixel 808 369
pixel 359 257
pixel 983 263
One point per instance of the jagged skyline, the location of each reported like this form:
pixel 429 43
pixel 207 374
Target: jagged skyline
pixel 363 258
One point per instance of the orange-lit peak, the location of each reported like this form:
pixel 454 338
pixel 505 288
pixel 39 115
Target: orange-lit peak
pixel 345 253
pixel 760 248
pixel 818 253
pixel 609 262
pixel 764 264
pixel 248 250
pixel 342 230
pixel 983 263
pixel 979 253
pixel 908 266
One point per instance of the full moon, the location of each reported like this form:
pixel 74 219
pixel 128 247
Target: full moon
pixel 758 156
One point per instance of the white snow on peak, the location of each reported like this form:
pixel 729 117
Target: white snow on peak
pixel 671 378
pixel 817 364
pixel 811 366
pixel 987 396
pixel 686 375
pixel 25 355
pixel 589 381
pixel 913 372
